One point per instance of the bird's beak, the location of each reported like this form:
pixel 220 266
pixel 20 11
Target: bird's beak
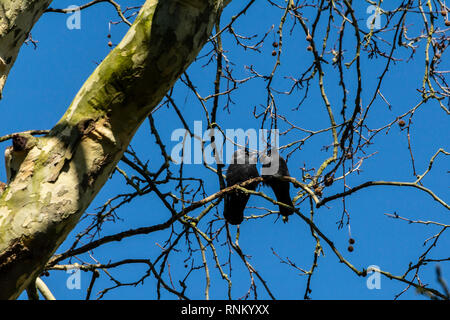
pixel 270 166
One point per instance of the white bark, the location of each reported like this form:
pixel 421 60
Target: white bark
pixel 62 172
pixel 17 17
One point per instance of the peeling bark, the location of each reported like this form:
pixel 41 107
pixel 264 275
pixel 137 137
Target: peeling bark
pixel 63 171
pixel 17 17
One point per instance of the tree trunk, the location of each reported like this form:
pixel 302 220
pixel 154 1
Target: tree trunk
pixel 17 17
pixel 59 175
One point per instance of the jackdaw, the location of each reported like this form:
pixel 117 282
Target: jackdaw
pixel 242 168
pixel 274 167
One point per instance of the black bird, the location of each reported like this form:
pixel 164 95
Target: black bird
pixel 274 167
pixel 242 168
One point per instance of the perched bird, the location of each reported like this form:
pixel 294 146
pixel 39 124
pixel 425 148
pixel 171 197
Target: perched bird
pixel 242 168
pixel 274 167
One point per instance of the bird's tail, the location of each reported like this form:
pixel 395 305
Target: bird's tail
pixel 285 198
pixel 234 208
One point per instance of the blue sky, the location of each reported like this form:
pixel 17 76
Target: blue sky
pixel 44 80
